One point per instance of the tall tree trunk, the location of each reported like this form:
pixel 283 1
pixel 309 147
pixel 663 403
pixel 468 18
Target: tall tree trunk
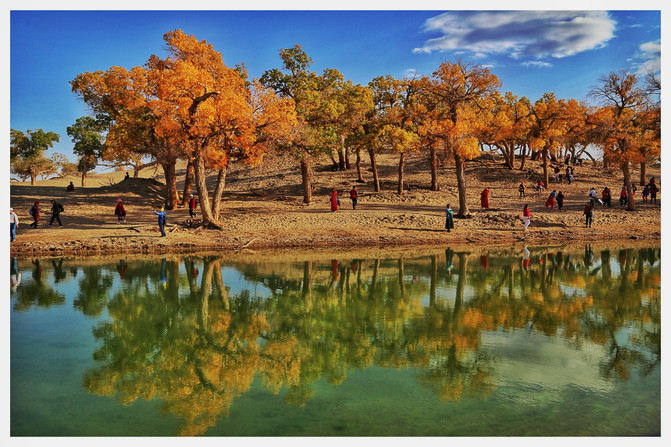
pixel 643 172
pixel 306 174
pixel 348 166
pixel 201 185
pixel 631 206
pixel 373 165
pixel 218 192
pixel 523 157
pixel 358 166
pixel 172 196
pixel 461 186
pixel 188 183
pixel 546 175
pixel 83 179
pixel 341 158
pixel 401 166
pixel 434 169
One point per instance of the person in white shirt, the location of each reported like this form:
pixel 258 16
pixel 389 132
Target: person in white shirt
pixel 13 224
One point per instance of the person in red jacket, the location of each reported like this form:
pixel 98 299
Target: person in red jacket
pixel 526 216
pixel 192 206
pixel 354 195
pixel 334 200
pixel 484 198
pixel 120 212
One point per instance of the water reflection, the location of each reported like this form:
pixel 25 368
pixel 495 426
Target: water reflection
pixel 173 329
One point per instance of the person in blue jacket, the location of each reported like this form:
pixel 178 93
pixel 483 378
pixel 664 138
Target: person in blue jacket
pixel 161 220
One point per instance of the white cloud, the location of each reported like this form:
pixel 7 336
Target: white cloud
pixel 539 64
pixel 520 34
pixel 651 54
pixel 410 73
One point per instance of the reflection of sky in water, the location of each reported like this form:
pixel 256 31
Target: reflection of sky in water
pixel 527 358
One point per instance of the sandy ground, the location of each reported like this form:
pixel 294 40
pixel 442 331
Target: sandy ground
pixel 262 209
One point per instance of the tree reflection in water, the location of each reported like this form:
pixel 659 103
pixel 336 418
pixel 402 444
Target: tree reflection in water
pixel 175 332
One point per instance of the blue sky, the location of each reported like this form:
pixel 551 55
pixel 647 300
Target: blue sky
pixel 532 52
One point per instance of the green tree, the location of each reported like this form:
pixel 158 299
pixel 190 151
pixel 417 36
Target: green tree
pixel 87 136
pixel 27 152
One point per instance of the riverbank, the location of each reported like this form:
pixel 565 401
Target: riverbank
pixel 262 209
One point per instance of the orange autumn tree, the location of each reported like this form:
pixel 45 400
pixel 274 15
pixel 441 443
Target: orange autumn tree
pixel 395 115
pixel 507 125
pixel 208 107
pixel 622 125
pixel 548 128
pixel 119 98
pixel 453 97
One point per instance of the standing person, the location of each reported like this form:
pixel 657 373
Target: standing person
pixel 35 212
pixel 645 193
pixel 56 210
pixel 560 200
pixel 161 220
pixel 120 212
pixel 484 198
pixel 540 187
pixel 334 200
pixel 526 216
pixel 556 174
pixel 13 224
pixel 589 214
pixel 623 196
pixel 569 174
pixel 522 189
pixel 354 195
pixel 605 196
pixel 654 189
pixel 192 206
pixel 550 202
pixel 449 218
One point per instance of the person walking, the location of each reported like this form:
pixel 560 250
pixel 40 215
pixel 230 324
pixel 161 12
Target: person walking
pixel 334 200
pixel 13 224
pixel 354 195
pixel 526 216
pixel 35 213
pixel 645 193
pixel 120 212
pixel 654 189
pixel 161 220
pixel 522 189
pixel 449 218
pixel 56 210
pixel 550 202
pixel 560 200
pixel 484 198
pixel 623 196
pixel 192 206
pixel 589 214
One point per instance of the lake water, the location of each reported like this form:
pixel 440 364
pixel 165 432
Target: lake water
pixel 561 341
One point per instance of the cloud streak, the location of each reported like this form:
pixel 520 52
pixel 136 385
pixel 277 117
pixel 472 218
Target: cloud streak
pixel 521 35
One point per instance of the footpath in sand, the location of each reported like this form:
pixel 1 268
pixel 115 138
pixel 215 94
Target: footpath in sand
pixel 262 209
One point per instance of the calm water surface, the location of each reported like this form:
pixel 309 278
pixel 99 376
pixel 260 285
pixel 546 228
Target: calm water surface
pixel 539 342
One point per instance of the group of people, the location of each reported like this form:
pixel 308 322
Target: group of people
pixel 335 201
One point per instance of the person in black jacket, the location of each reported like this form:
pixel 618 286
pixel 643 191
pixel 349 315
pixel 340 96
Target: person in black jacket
pixel 56 210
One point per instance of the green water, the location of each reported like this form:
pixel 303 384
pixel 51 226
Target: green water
pixel 550 342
